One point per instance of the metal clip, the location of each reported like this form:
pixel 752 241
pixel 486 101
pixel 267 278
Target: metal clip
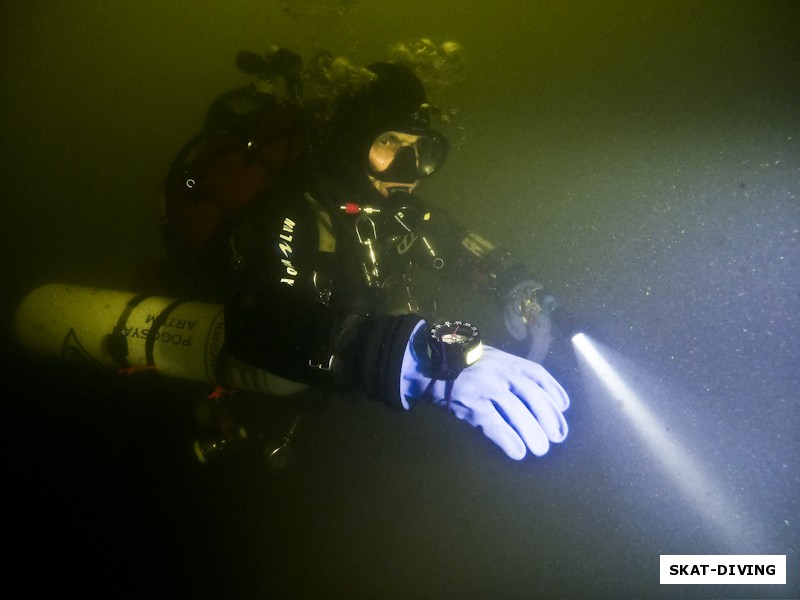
pixel 323 292
pixel 236 259
pixel 367 238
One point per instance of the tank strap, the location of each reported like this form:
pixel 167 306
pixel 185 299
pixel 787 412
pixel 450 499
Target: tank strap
pixel 116 342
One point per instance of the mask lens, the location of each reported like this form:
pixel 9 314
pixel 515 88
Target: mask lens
pixel 394 159
pixel 431 153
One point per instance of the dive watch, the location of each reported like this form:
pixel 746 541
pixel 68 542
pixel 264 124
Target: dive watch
pixel 452 347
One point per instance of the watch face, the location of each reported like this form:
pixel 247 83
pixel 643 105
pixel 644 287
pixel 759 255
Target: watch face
pixel 453 346
pixel 454 332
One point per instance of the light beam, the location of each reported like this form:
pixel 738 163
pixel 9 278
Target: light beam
pixel 692 480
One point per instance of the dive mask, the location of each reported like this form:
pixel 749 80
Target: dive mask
pixel 404 158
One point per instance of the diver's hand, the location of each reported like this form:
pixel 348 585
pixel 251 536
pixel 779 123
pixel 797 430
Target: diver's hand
pixel 515 402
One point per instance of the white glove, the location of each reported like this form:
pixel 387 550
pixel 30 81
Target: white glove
pixel 515 402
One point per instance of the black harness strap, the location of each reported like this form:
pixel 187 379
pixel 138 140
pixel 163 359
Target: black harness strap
pixel 117 342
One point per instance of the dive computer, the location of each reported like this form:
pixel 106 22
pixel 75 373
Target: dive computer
pixel 452 347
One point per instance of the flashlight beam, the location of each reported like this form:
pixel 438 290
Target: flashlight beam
pixel 688 474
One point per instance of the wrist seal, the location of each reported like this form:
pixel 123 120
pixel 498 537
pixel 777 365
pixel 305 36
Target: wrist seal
pixel 381 345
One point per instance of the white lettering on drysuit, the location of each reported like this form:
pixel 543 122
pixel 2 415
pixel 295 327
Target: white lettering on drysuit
pixel 286 249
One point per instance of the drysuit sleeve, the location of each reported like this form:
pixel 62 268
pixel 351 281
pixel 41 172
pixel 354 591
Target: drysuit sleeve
pixel 275 320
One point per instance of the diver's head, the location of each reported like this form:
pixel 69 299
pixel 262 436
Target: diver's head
pixel 398 160
pixel 385 129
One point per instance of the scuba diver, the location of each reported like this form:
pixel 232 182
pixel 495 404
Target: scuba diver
pixel 304 221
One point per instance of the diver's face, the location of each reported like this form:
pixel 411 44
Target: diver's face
pixel 383 152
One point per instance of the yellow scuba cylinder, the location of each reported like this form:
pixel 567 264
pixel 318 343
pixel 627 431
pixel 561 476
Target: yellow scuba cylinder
pixel 178 338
